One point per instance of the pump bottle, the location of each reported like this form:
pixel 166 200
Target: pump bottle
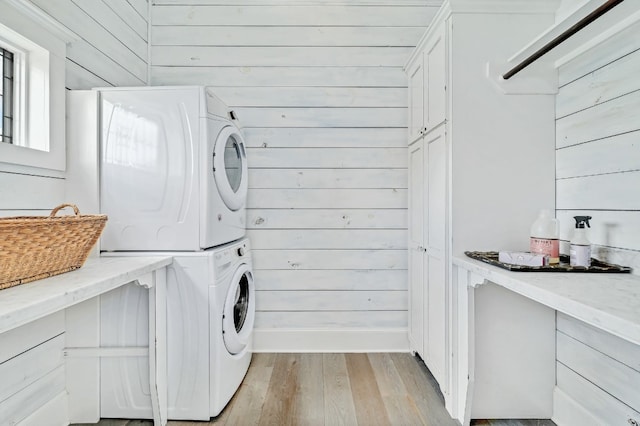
pixel 544 237
pixel 580 251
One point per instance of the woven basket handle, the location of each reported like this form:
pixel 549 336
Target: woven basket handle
pixel 75 208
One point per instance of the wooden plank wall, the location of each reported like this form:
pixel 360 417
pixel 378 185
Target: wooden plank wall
pixel 598 174
pixel 319 90
pixel 32 369
pixel 598 147
pixel 112 49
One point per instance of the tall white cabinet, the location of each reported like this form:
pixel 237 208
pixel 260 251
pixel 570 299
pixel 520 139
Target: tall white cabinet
pixel 428 249
pixel 428 170
pixel 481 162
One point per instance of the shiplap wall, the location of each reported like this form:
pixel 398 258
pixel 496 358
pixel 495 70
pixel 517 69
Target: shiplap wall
pixel 598 147
pixel 566 7
pixel 112 48
pixel 598 174
pixel 319 90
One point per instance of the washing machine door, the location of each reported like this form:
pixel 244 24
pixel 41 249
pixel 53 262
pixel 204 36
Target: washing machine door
pixel 230 167
pixel 239 310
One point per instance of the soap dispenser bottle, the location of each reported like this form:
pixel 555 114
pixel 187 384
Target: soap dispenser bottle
pixel 580 252
pixel 544 237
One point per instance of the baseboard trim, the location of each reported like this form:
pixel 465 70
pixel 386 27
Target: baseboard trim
pixel 330 341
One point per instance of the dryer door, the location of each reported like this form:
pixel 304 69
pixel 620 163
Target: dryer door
pixel 230 167
pixel 239 310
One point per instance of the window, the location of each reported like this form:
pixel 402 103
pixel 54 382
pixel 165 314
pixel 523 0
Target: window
pixel 6 96
pixel 32 89
pixel 25 110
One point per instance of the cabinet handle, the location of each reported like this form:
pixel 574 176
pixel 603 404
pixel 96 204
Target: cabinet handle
pixel 633 422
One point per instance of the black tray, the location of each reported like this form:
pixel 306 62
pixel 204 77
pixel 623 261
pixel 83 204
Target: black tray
pixel 491 257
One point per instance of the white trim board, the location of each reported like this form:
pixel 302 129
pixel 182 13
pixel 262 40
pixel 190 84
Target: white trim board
pixel 427 3
pixel 330 341
pixel 45 21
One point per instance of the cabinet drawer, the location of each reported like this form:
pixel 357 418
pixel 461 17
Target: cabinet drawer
pixel 604 408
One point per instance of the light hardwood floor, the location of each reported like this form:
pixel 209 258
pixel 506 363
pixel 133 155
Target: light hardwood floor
pixel 332 390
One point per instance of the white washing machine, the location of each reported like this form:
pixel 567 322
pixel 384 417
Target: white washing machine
pixel 210 316
pixel 232 300
pixel 173 170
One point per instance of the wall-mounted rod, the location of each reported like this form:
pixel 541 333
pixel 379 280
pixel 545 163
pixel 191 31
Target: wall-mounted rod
pixel 604 8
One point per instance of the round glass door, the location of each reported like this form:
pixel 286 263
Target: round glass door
pixel 233 163
pixel 230 167
pixel 239 311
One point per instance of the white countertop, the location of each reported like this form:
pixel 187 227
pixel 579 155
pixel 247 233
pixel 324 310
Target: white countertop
pixel 607 301
pixel 27 302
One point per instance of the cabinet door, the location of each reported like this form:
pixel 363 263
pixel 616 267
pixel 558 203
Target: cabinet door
pixel 435 64
pixel 416 246
pixel 436 257
pixel 416 99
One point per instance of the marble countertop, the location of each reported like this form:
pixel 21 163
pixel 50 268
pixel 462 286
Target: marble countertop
pixel 27 302
pixel 610 302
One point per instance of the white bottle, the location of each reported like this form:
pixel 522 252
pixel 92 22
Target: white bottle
pixel 544 237
pixel 580 252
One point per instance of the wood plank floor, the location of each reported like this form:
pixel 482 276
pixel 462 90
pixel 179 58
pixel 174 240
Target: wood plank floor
pixel 332 390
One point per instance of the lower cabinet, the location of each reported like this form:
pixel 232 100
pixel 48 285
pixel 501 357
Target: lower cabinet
pixel 428 250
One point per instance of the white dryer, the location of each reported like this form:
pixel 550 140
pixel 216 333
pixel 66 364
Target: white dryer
pixel 210 316
pixel 173 170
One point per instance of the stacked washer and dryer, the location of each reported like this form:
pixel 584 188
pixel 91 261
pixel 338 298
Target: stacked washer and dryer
pixel 173 181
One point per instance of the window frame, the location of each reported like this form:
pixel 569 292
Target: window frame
pixel 19 112
pixel 7 81
pixel 40 43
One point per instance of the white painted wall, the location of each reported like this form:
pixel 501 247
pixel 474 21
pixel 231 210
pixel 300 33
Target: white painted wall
pixel 33 371
pixel 566 7
pixel 319 89
pixel 112 48
pixel 597 155
pixel 598 174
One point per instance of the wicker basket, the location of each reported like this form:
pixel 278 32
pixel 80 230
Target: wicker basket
pixel 38 247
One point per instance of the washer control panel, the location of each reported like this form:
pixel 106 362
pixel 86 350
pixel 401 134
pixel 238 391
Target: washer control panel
pixel 231 253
